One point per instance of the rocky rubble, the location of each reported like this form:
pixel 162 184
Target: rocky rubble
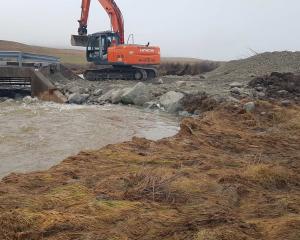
pixel 284 87
pixel 152 95
pixel 233 81
pixel 184 97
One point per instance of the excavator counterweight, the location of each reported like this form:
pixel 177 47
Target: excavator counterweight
pixel 107 49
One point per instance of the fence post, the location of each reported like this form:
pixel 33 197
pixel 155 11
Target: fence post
pixel 20 59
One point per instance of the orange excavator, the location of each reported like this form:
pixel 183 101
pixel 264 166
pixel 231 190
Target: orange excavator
pixel 107 50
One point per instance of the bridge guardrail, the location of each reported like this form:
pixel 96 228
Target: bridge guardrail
pixel 22 57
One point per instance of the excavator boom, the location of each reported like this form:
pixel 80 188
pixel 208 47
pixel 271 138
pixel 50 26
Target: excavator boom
pixel 114 14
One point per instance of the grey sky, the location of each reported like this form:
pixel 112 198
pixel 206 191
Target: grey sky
pixel 208 29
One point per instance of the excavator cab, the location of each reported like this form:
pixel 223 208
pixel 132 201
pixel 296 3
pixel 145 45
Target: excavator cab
pixel 98 44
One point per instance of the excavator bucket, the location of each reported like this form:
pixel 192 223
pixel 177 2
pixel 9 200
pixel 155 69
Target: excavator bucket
pixel 79 41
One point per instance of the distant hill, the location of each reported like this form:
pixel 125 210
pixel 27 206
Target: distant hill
pixel 76 61
pixel 69 56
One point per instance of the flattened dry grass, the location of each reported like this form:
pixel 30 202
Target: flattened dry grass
pixel 226 175
pixel 229 233
pixel 152 184
pixel 268 176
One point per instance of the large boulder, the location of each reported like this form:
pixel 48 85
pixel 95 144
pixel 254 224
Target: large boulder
pixel 77 98
pixel 171 101
pixel 138 95
pixel 236 85
pixel 106 97
pixel 236 90
pixel 181 84
pixel 116 96
pixel 249 107
pixel 98 92
pixel 160 81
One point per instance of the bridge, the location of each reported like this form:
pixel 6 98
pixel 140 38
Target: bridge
pixel 28 72
pixel 13 58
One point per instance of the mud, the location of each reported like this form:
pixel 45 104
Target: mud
pixel 227 175
pixel 199 103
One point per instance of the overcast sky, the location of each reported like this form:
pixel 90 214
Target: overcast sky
pixel 207 29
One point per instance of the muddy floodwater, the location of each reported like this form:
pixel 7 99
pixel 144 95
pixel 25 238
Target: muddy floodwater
pixel 37 135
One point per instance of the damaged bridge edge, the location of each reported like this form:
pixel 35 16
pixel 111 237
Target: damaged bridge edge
pixel 43 89
pixel 24 65
pixel 41 86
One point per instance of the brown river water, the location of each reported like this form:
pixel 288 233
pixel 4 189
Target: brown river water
pixel 36 135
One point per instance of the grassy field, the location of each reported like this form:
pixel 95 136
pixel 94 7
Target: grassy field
pixel 70 56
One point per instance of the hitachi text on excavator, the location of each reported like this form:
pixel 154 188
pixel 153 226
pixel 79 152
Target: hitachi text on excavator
pixel 107 49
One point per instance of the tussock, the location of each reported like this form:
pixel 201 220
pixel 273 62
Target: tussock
pixel 268 176
pixel 151 184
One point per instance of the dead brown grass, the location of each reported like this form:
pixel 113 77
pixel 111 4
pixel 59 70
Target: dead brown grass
pixel 226 175
pixel 268 176
pixel 151 184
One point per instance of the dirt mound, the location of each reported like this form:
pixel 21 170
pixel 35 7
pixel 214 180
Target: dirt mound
pixel 198 103
pixel 278 86
pixel 227 175
pixel 243 71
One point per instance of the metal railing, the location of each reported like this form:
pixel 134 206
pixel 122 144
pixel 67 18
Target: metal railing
pixel 22 57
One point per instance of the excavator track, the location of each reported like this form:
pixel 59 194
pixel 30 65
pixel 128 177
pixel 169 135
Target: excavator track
pixel 121 73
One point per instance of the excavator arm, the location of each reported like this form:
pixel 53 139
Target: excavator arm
pixel 113 12
pixel 85 9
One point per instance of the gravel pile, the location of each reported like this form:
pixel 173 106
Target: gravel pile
pixel 243 71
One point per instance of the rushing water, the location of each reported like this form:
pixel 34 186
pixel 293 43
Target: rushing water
pixel 37 135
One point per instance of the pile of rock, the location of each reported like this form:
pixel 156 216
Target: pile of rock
pixel 140 94
pixel 137 95
pixel 284 87
pixel 183 96
pixel 238 90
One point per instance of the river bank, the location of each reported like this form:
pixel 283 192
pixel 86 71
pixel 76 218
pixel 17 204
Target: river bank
pixel 229 174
